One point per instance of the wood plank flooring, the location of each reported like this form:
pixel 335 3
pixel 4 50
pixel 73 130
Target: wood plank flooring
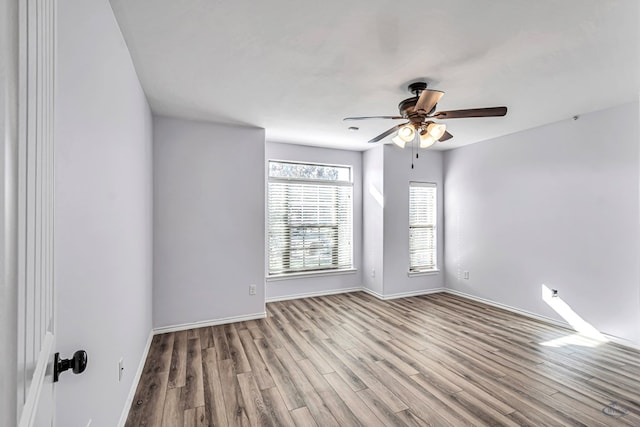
pixel 353 360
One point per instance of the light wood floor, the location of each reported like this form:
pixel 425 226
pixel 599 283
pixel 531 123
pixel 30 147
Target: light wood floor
pixel 353 360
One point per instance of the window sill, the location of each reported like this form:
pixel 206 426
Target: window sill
pixel 423 273
pixel 291 276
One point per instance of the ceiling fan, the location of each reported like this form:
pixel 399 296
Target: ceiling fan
pixel 420 113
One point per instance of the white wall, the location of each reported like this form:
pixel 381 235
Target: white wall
pixel 103 213
pixel 555 205
pixel 397 175
pixel 208 221
pixel 373 219
pixel 286 288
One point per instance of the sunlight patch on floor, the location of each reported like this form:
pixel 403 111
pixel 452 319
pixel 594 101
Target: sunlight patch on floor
pixel 574 339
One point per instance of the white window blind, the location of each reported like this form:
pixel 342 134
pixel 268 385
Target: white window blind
pixel 422 226
pixel 309 217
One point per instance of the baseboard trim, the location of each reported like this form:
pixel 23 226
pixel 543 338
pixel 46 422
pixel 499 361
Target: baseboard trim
pixel 356 289
pixel 205 323
pixel 509 308
pixel 314 294
pixel 623 342
pixel 617 340
pixel 134 384
pixel 402 294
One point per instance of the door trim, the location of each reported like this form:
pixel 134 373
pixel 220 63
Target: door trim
pixel 44 368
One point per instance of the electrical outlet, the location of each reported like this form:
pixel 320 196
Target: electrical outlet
pixel 252 289
pixel 120 369
pixel 466 275
pixel 373 272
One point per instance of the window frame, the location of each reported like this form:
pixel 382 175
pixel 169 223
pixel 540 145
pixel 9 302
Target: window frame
pixel 424 269
pixel 320 270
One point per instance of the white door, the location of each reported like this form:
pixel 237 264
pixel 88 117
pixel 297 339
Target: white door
pixel 35 258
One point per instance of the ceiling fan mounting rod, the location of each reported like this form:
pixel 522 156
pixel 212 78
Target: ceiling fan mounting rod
pixel 417 88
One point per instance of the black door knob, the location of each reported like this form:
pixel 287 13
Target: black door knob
pixel 78 363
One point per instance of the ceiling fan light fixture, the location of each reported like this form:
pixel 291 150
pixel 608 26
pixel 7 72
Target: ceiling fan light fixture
pixel 427 140
pixel 407 133
pixel 436 130
pixel 398 141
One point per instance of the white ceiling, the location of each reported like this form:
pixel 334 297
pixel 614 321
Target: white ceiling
pixel 296 68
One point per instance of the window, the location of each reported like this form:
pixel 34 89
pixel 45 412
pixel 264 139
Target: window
pixel 422 226
pixel 309 217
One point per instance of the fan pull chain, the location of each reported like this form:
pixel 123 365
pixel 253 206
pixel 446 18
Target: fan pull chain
pixel 412 155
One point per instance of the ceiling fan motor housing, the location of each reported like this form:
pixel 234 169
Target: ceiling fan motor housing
pixel 406 107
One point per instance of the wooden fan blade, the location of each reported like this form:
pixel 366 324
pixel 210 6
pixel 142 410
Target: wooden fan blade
pixel 473 112
pixel 386 133
pixel 447 136
pixel 373 117
pixel 428 99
